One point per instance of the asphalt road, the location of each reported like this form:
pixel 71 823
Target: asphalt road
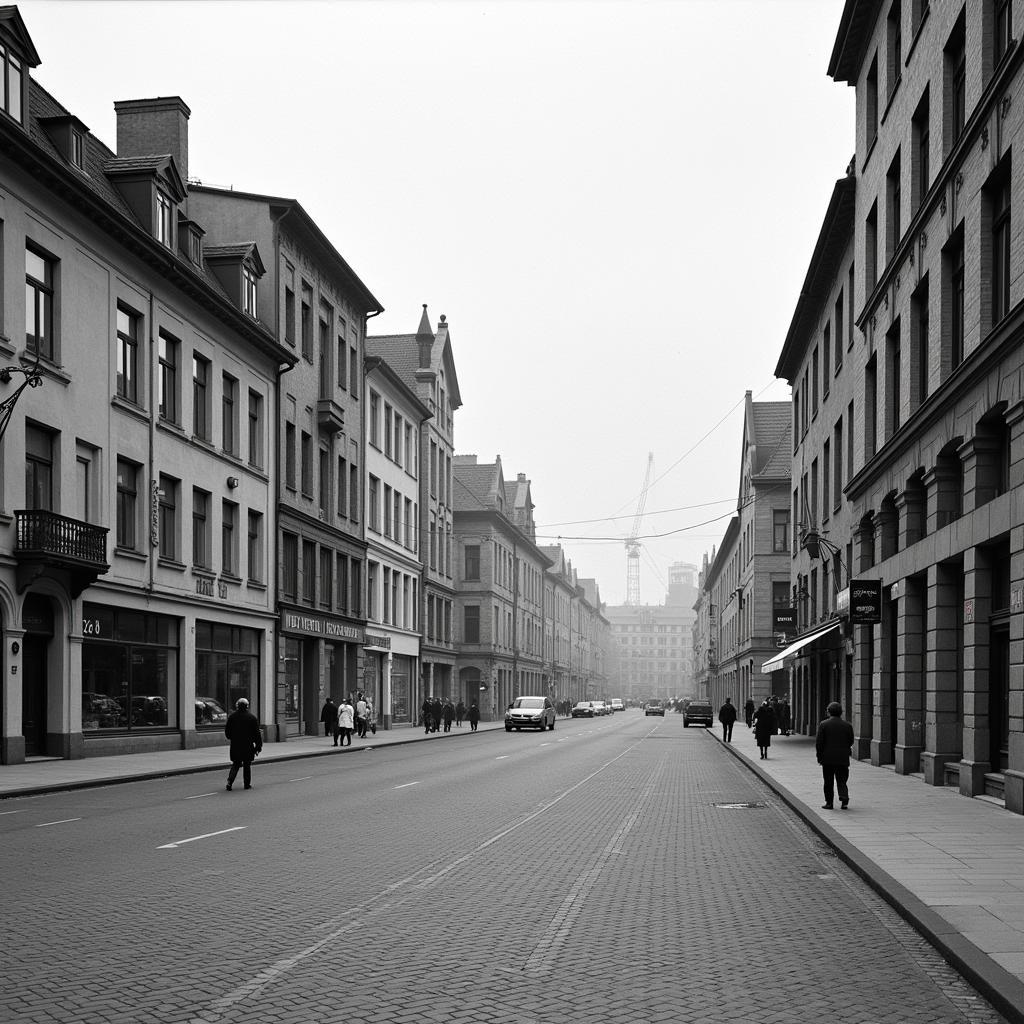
pixel 617 870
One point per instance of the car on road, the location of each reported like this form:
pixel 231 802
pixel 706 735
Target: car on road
pixel 617 704
pixel 600 708
pixel 530 713
pixel 654 707
pixel 583 709
pixel 698 712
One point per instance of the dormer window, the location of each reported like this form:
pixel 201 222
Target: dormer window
pixel 195 247
pixel 10 84
pixel 78 150
pixel 164 220
pixel 249 291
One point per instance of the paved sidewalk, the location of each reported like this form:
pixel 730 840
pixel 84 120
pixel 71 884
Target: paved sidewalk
pixel 47 775
pixel 951 865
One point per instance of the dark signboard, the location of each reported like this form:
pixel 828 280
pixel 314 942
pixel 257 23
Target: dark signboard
pixel 865 601
pixel 784 621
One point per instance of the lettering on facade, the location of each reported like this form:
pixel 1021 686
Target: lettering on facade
pixel 969 610
pixel 376 640
pixel 865 601
pixel 154 514
pixel 316 625
pixel 1017 598
pixel 204 587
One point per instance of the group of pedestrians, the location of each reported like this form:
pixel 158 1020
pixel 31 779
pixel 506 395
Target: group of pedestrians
pixel 435 713
pixel 348 717
pixel 833 741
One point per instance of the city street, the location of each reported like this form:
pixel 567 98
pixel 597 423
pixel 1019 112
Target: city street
pixel 622 869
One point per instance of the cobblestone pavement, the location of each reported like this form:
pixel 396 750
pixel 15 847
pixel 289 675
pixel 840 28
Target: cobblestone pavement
pixel 628 872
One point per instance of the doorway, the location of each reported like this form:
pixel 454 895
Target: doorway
pixel 37 618
pixel 999 697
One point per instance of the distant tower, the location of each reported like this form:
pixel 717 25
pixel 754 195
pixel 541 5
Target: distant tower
pixel 632 544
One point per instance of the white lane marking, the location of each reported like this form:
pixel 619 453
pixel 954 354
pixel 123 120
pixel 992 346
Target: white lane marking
pixel 9 812
pixel 201 796
pixel 301 778
pixel 501 757
pixel 63 821
pixel 194 839
pixel 406 785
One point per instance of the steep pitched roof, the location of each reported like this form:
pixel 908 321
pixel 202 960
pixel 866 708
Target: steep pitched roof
pixel 477 487
pixel 772 425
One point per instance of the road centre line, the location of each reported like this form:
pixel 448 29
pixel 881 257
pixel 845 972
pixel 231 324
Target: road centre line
pixel 194 839
pixel 2 813
pixel 501 757
pixel 63 821
pixel 200 796
pixel 406 785
pixel 354 918
pixel 301 778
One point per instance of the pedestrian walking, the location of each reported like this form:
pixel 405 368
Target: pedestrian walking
pixel 427 711
pixel 833 744
pixel 727 716
pixel 765 725
pixel 371 720
pixel 435 714
pixel 346 722
pixel 785 718
pixel 474 717
pixel 246 742
pixel 360 710
pixel 447 714
pixel 748 711
pixel 329 716
pixel 460 713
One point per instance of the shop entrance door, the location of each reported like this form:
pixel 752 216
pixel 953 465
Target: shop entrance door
pixel 33 694
pixel 999 698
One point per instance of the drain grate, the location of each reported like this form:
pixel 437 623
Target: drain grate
pixel 741 806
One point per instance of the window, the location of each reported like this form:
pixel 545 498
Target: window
pixel 308 571
pixel 1002 28
pixel 342 584
pixel 953 285
pixel 342 487
pixel 324 478
pixel 407 540
pixel 326 577
pixel 342 360
pixel 164 220
pixel 200 528
pixel 307 323
pixel 921 142
pixel 127 504
pixel 387 429
pixel 229 422
pixel 255 547
pixel 353 372
pixel 39 295
pixel 826 468
pixel 919 340
pixel 893 384
pixel 356 588
pixel 229 538
pixel 471 624
pixel 955 61
pixel 893 193
pixel 894 37
pixel 306 464
pixel 815 374
pixel 249 291
pixel 397 517
pixel 255 429
pixel 289 316
pixel 289 456
pixel 871 407
pixel 780 529
pixel 997 199
pixel 373 503
pixel 837 464
pixel 398 439
pixel 127 354
pixel 167 527
pixel 10 84
pixel 324 354
pixel 353 493
pixel 290 565
pixel 201 397
pixel 38 468
pixel 167 349
pixel 826 355
pixel 871 102
pixel 374 419
pixel 871 247
pixel 849 441
pixel 850 311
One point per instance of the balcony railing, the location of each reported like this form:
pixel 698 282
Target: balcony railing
pixel 48 544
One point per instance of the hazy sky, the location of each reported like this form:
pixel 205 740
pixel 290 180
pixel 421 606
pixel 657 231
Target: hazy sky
pixel 613 203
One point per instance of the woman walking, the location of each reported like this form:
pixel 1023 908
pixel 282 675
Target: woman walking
pixel 346 721
pixel 765 725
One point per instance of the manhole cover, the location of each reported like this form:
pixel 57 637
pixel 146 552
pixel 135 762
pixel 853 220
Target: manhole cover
pixel 741 806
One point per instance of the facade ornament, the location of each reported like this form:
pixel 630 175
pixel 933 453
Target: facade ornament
pixel 898 276
pixel 958 181
pixel 911 257
pixel 1004 106
pixel 984 137
pixel 942 205
pixel 924 239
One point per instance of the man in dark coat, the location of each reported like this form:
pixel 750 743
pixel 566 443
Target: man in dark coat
pixel 474 716
pixel 765 726
pixel 243 731
pixel 748 711
pixel 833 744
pixel 448 714
pixel 427 710
pixel 460 713
pixel 329 716
pixel 727 716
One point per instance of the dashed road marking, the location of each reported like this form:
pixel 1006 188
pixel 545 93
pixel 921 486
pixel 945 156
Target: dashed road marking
pixel 201 796
pixel 301 778
pixel 195 839
pixel 63 821
pixel 406 785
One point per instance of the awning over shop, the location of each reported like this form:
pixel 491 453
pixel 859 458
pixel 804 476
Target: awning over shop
pixel 793 649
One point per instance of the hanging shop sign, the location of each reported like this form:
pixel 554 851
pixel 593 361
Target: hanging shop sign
pixel 865 602
pixel 784 621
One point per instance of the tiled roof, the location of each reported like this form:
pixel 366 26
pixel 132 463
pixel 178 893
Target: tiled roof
pixel 771 429
pixel 474 486
pixel 400 352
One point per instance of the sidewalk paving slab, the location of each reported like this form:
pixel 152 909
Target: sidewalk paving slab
pixel 951 866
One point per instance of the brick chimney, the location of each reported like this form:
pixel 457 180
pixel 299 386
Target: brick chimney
pixel 154 127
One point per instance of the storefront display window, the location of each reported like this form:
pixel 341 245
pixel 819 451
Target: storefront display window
pixel 227 667
pixel 129 669
pixel 292 677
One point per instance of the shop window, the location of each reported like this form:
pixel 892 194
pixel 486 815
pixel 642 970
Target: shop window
pixel 227 669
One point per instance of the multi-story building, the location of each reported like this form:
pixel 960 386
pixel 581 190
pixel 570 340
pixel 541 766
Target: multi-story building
pixel 395 418
pixel 318 308
pixel 595 632
pixel 425 362
pixel 930 326
pixel 136 597
pixel 500 574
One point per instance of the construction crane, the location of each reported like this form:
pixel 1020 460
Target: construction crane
pixel 632 544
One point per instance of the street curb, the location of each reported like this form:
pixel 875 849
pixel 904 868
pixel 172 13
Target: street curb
pixel 1004 991
pixel 166 773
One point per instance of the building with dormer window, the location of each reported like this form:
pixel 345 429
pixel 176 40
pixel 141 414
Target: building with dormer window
pixel 136 509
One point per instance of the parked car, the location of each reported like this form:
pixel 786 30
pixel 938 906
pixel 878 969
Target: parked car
pixel 654 707
pixel 617 704
pixel 530 712
pixel 583 709
pixel 210 711
pixel 600 708
pixel 699 712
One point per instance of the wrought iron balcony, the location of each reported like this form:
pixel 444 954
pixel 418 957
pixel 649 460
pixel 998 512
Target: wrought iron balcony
pixel 48 544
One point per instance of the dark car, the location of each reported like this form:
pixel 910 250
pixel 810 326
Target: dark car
pixel 654 707
pixel 530 712
pixel 583 709
pixel 698 712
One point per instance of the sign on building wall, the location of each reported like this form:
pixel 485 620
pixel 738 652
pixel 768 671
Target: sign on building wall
pixel 865 602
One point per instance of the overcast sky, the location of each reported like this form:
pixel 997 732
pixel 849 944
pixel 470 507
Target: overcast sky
pixel 613 203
